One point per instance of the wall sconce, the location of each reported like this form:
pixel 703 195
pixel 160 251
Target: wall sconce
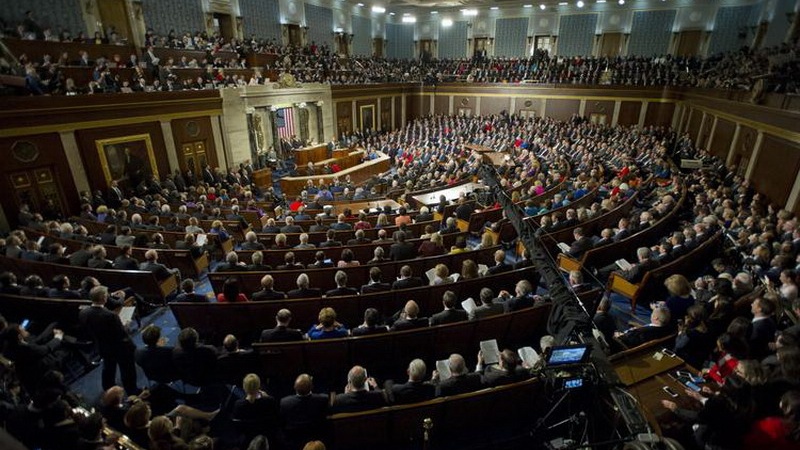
pixel 273 108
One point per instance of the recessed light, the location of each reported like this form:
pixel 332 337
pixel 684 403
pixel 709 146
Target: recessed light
pixel 378 9
pixel 621 2
pixel 434 12
pixel 542 6
pixel 563 3
pixel 580 4
pixel 601 1
pixel 494 8
pixel 447 22
pixel 409 19
pixel 391 13
pixel 360 5
pixel 527 6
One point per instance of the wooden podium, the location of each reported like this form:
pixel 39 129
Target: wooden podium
pixel 262 178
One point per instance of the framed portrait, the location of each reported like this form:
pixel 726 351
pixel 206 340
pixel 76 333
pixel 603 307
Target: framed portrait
pixel 366 114
pixel 129 158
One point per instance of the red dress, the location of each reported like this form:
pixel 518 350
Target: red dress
pixel 240 299
pixel 769 434
pixel 724 366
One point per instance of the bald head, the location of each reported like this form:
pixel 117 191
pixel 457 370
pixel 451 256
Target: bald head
pixel 357 377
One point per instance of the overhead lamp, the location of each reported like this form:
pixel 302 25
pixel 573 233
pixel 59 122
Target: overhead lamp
pixel 469 12
pixel 542 6
pixel 434 12
pixel 563 3
pixel 580 4
pixel 621 2
pixel 391 13
pixel 494 8
pixel 527 6
pixel 601 1
pixel 360 5
pixel 447 23
pixel 409 19
pixel 378 9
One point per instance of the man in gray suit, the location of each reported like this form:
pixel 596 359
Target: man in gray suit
pixel 487 308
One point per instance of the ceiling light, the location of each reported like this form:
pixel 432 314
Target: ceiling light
pixel 542 6
pixel 494 8
pixel 580 4
pixel 409 19
pixel 447 23
pixel 470 12
pixel 378 9
pixel 601 1
pixel 434 12
pixel 621 2
pixel 527 6
pixel 391 13
pixel 360 5
pixel 563 3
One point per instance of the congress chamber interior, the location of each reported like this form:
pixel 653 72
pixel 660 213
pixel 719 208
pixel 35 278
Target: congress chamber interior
pixel 399 224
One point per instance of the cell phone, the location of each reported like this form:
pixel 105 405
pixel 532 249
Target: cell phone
pixel 690 376
pixel 670 392
pixel 24 324
pixel 692 386
pixel 668 352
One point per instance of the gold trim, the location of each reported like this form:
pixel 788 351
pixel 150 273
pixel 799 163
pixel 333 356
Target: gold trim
pixel 73 126
pixel 101 151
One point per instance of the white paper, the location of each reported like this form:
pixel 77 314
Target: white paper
pixel 528 355
pixel 564 247
pixel 455 276
pixel 443 367
pixel 126 314
pixel 623 264
pixel 469 306
pixel 483 269
pixel 490 351
pixel 431 274
pixel 40 240
pixel 202 239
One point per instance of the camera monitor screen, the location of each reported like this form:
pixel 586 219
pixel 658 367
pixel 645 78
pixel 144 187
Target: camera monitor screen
pixel 571 354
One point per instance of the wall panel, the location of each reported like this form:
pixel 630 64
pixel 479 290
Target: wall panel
pixel 261 19
pixel 453 41
pixel 319 20
pixel 441 104
pixel 362 36
pixel 694 124
pixel 728 24
pixel 510 36
pixel 576 34
pixel 494 105
pixel 55 14
pixel 659 114
pixel 180 15
pixel 651 32
pixel 629 113
pixel 400 40
pixel 723 136
pixel 562 109
pixel 605 107
pixel 776 168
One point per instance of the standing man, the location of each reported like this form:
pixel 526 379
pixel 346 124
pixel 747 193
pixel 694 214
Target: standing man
pixel 112 341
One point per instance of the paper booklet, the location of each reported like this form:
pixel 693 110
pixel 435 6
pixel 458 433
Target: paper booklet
pixel 623 264
pixel 431 274
pixel 126 314
pixel 483 269
pixel 443 367
pixel 202 239
pixel 528 356
pixel 490 351
pixel 469 306
pixel 564 247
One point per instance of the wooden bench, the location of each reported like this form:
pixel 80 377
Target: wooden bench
pixel 651 286
pixel 607 254
pixel 247 320
pixel 477 221
pixel 16 308
pixel 357 276
pixel 144 283
pixel 387 355
pixel 453 419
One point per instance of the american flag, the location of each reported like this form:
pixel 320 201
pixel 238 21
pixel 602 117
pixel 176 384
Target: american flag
pixel 284 118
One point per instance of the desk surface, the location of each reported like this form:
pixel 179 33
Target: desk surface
pixel 452 193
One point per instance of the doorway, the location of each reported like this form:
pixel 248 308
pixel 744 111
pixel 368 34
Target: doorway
pixel 194 156
pixel 295 36
pixel 481 47
pixel 40 189
pixel 223 23
pixel 114 16
pixel 377 47
pixel 427 49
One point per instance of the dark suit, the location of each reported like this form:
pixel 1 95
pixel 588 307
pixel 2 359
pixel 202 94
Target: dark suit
pixel 304 293
pixel 402 251
pixel 113 344
pixel 191 297
pixel 621 234
pixel 499 268
pixel 459 384
pixel 303 418
pixel 637 272
pixel 411 392
pixel 266 295
pixel 281 334
pixel 647 333
pixel 123 262
pixel 79 258
pixel 448 316
pixel 157 363
pixel 517 303
pixel 375 287
pixel 762 332
pixel 196 366
pixel 366 331
pixel 100 263
pixel 327 244
pixel 253 246
pixel 580 246
pixel 358 401
pixel 410 324
pixel 341 292
pixel 160 270
pixel 482 311
pixel 408 283
pixel 494 376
